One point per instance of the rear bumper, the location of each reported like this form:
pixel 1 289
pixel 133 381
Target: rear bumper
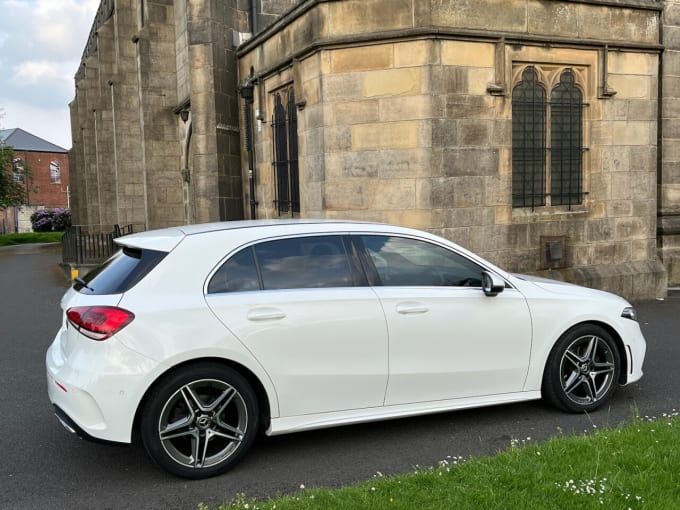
pixel 97 388
pixel 73 427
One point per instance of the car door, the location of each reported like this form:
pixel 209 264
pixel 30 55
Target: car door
pixel 447 338
pixel 302 308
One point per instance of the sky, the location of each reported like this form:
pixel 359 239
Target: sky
pixel 41 43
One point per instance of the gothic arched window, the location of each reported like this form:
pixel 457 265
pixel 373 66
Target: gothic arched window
pixel 566 142
pixel 528 141
pixel 545 174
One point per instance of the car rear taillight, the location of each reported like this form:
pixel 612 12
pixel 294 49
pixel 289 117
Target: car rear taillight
pixel 99 322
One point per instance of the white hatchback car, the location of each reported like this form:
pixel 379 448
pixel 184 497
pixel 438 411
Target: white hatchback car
pixel 200 336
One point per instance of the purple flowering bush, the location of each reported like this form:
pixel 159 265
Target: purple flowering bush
pixel 47 220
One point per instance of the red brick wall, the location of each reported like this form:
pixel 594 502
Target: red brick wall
pixel 41 190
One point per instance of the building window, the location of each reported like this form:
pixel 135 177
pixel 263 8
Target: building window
pixel 286 171
pixel 545 174
pixel 528 141
pixel 18 170
pixel 566 142
pixel 55 172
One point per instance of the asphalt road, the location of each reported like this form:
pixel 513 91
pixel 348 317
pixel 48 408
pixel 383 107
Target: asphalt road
pixel 44 467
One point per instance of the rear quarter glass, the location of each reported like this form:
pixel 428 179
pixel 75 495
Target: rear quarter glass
pixel 121 272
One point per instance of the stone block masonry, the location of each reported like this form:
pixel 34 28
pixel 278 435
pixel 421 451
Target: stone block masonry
pixel 418 129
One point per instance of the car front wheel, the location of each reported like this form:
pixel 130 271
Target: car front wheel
pixel 200 421
pixel 582 370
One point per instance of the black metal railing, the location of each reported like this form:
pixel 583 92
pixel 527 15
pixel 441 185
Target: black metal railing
pixel 91 244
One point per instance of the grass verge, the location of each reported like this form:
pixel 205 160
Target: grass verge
pixel 30 237
pixel 629 467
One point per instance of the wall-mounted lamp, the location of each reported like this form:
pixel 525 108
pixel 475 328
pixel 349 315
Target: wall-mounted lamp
pixel 246 90
pixel 183 110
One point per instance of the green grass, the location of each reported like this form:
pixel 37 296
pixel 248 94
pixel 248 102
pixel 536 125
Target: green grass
pixel 30 237
pixel 634 466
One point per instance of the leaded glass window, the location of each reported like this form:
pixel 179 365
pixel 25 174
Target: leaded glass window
pixel 566 141
pixel 528 141
pixel 545 174
pixel 286 172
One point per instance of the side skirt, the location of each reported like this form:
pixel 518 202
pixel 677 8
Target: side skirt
pixel 289 424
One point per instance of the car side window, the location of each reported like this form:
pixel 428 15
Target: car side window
pixel 304 262
pixel 237 274
pixel 401 261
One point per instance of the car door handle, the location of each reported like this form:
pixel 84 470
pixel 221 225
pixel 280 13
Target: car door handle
pixel 411 307
pixel 265 314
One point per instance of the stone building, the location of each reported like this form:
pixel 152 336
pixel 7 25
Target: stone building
pixel 43 167
pixel 541 134
pixel 668 156
pixel 155 117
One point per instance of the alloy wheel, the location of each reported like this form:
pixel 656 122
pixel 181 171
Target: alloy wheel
pixel 587 369
pixel 203 423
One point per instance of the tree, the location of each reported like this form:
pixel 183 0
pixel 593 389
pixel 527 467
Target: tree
pixel 12 190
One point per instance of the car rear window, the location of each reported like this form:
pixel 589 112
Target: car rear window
pixel 119 273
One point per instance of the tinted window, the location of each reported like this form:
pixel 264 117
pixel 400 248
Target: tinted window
pixel 121 272
pixel 304 262
pixel 401 261
pixel 239 273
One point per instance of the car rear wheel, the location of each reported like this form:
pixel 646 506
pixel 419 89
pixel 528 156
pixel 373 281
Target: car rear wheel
pixel 200 421
pixel 583 369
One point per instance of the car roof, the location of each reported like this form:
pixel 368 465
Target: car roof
pixel 166 239
pixel 229 225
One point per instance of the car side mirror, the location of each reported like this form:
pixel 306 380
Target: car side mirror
pixel 492 284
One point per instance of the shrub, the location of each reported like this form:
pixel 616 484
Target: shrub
pixel 47 220
pixel 41 220
pixel 62 219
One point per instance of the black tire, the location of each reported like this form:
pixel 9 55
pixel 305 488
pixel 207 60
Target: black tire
pixel 200 421
pixel 582 372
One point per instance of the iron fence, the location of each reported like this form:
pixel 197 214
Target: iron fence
pixel 91 244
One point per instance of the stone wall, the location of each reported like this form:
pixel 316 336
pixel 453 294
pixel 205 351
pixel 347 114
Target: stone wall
pixel 405 117
pixel 109 167
pixel 147 64
pixel 669 173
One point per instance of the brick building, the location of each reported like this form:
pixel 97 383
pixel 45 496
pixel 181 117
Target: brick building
pixel 541 134
pixel 44 169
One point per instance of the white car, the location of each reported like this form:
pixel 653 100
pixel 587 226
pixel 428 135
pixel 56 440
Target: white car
pixel 201 336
